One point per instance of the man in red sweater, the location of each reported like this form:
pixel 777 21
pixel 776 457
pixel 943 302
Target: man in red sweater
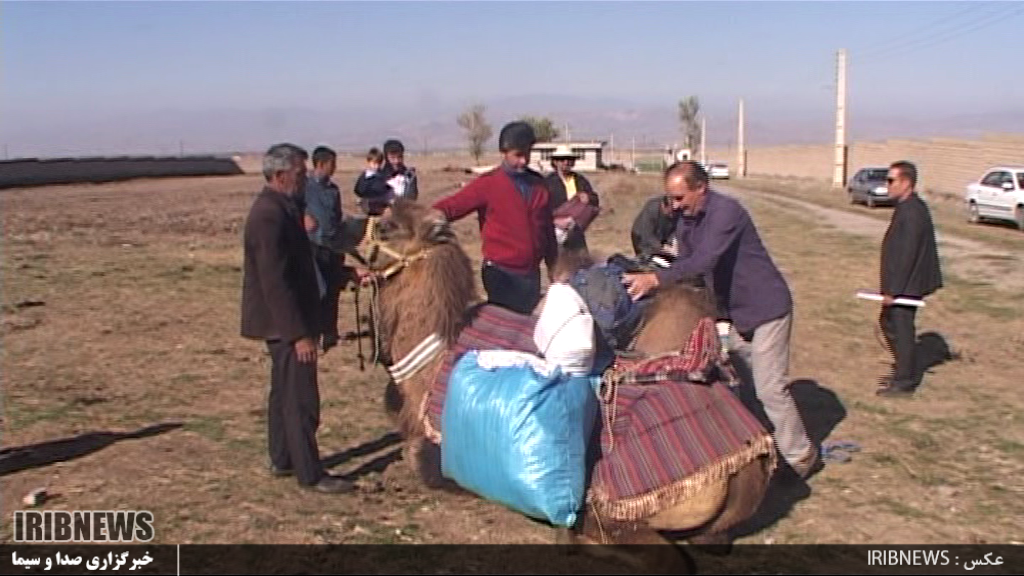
pixel 516 226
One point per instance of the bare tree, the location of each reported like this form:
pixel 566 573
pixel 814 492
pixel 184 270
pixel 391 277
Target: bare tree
pixel 543 128
pixel 478 131
pixel 689 109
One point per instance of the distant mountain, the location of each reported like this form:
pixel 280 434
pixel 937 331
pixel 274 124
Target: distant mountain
pixel 430 124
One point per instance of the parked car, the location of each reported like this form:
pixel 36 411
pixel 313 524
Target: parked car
pixel 869 187
pixel 998 195
pixel 718 170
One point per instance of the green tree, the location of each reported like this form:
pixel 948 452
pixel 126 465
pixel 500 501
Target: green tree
pixel 689 109
pixel 543 128
pixel 478 131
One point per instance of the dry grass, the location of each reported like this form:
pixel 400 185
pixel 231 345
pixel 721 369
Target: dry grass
pixel 140 283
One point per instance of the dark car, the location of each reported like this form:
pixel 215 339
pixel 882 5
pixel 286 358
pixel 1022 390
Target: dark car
pixel 868 186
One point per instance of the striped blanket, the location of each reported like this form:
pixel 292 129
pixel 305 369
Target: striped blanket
pixel 491 328
pixel 700 360
pixel 671 427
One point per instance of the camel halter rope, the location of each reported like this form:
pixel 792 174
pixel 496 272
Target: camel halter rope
pixel 374 245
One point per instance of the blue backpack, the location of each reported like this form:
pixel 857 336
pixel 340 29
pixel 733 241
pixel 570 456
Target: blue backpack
pixel 617 316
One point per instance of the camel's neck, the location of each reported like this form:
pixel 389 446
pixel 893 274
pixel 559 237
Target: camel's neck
pixel 427 300
pixel 422 354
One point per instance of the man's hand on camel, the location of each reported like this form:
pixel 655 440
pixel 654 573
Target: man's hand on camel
pixel 639 285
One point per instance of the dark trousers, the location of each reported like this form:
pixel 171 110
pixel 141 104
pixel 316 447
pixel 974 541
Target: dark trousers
pixel 293 414
pixel 517 292
pixel 897 323
pixel 576 240
pixel 333 270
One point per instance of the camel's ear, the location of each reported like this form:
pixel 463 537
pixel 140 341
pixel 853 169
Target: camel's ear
pixel 436 228
pixel 441 233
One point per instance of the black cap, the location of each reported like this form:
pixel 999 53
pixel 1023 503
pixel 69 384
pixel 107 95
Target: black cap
pixel 393 147
pixel 516 135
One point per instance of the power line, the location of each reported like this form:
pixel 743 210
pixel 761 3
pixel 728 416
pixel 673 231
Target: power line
pixel 963 32
pixel 885 45
pixel 935 39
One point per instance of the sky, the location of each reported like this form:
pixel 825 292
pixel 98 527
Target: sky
pixel 71 69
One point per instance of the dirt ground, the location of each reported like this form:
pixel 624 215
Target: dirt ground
pixel 964 257
pixel 121 315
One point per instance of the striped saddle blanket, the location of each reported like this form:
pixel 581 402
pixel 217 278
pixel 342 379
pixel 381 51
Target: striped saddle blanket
pixel 669 424
pixel 490 328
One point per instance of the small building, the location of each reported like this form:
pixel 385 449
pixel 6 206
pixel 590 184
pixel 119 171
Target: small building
pixel 673 155
pixel 589 155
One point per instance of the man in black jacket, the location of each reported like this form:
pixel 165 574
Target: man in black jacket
pixel 910 269
pixel 280 305
pixel 653 231
pixel 564 184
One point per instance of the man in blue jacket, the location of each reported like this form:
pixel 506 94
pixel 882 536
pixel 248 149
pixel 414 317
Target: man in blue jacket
pixel 725 247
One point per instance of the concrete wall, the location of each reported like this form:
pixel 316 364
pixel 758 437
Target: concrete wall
pixel 944 165
pixel 38 172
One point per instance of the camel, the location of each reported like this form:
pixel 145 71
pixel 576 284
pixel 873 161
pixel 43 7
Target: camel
pixel 428 286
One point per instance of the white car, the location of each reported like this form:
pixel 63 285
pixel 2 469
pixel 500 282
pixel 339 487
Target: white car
pixel 998 195
pixel 718 170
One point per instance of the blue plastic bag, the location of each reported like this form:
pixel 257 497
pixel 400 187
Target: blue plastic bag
pixel 517 435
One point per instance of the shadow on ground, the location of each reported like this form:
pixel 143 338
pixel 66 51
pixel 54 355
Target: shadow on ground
pixel 19 458
pixel 821 410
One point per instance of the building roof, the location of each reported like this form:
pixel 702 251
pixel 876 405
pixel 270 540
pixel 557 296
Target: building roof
pixel 553 145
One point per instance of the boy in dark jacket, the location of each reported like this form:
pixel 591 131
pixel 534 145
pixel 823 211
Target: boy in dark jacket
pixel 374 193
pixel 401 178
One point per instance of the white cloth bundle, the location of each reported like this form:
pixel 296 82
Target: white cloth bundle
pixel 565 331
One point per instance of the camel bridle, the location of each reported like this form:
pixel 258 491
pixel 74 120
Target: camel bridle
pixel 373 245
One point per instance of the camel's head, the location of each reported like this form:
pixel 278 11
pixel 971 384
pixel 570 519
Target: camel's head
pixel 408 230
pixel 429 278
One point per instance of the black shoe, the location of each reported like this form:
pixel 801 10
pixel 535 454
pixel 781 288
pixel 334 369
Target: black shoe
pixel 280 472
pixel 893 391
pixel 332 485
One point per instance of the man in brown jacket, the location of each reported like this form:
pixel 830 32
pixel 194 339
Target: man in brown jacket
pixel 280 305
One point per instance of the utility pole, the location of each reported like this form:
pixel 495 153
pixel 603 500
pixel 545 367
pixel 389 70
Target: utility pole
pixel 181 147
pixel 632 155
pixel 741 154
pixel 703 140
pixel 567 137
pixel 839 169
